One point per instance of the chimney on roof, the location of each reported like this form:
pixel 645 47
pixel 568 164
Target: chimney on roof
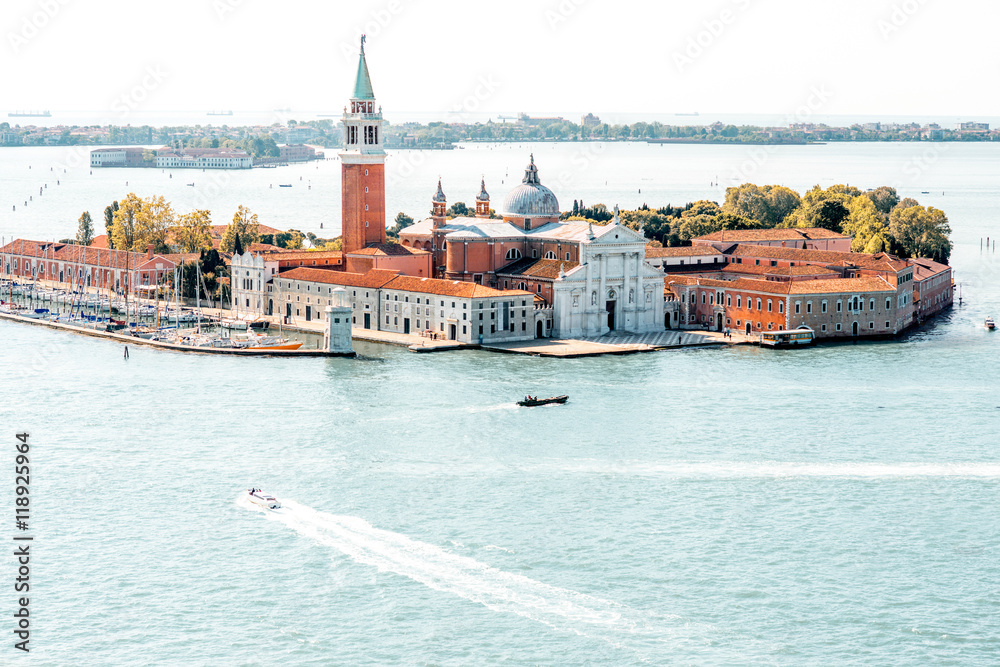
pixel 149 251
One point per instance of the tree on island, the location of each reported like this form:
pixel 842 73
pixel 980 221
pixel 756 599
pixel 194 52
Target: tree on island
pixel 85 229
pixel 140 222
pixel 244 226
pixel 109 221
pixel 770 204
pixel 867 225
pixel 402 222
pixel 917 231
pixel 830 215
pixel 126 223
pixel 884 198
pixel 192 231
pixel 459 210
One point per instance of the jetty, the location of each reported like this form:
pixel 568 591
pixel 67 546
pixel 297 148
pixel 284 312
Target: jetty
pixel 129 339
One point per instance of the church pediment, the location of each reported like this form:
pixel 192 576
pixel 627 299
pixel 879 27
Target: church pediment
pixel 616 235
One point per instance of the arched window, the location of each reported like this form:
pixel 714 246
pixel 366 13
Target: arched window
pixel 550 255
pixel 513 253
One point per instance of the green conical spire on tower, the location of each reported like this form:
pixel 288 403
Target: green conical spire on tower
pixel 363 84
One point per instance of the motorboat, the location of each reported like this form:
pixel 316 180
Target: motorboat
pixel 252 340
pixel 990 324
pixel 261 499
pixel 530 402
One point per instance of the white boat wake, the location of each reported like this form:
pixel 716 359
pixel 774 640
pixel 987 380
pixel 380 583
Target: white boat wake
pixel 470 579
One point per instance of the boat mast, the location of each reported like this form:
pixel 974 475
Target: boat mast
pixel 177 299
pixel 197 291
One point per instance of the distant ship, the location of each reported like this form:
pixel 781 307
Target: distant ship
pixel 220 113
pixel 693 113
pixel 29 114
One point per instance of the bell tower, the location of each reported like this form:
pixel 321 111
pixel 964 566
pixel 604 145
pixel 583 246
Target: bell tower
pixel 362 165
pixel 483 201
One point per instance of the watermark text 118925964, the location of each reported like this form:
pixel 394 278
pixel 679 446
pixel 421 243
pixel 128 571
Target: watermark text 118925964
pixel 22 546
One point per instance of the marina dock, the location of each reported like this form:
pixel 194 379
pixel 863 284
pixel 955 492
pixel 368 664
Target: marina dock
pixel 164 345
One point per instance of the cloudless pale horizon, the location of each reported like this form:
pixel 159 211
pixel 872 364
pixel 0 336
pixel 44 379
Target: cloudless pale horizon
pixel 793 59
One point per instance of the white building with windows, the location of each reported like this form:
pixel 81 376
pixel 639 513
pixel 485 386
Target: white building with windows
pixel 203 158
pixel 250 276
pixel 384 300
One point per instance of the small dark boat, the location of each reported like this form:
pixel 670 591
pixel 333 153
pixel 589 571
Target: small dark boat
pixel 532 402
pixel 284 185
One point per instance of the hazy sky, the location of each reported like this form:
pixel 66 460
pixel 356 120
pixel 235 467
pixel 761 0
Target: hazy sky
pixel 875 57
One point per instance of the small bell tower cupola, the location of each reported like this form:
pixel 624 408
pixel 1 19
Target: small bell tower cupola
pixel 483 201
pixel 439 206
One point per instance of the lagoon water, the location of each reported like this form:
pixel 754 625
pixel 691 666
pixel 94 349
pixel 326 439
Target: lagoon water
pixel 830 505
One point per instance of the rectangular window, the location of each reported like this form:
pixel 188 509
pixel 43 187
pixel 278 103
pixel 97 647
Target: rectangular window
pixel 770 306
pixel 798 307
pixel 887 324
pixel 838 326
pixel 781 306
pixel 840 306
pixel 729 300
pixel 888 304
pixel 809 307
pixel 823 307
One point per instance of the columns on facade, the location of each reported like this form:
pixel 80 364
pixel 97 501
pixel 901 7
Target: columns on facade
pixel 603 295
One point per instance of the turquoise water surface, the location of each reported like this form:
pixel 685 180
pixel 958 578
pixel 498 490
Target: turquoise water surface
pixel 714 506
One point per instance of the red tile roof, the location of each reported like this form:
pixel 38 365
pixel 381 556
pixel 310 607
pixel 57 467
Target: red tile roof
pixel 841 285
pixel 878 262
pixel 66 252
pixel 388 249
pixel 789 234
pixel 372 280
pixel 800 270
pixel 290 255
pixel 682 251
pixel 458 288
pixel 802 287
pixel 547 269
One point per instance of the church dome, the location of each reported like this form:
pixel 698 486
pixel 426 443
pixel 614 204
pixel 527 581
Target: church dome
pixel 531 198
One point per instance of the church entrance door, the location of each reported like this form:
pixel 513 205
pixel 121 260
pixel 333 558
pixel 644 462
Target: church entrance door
pixel 452 331
pixel 538 329
pixel 610 307
pixel 718 321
